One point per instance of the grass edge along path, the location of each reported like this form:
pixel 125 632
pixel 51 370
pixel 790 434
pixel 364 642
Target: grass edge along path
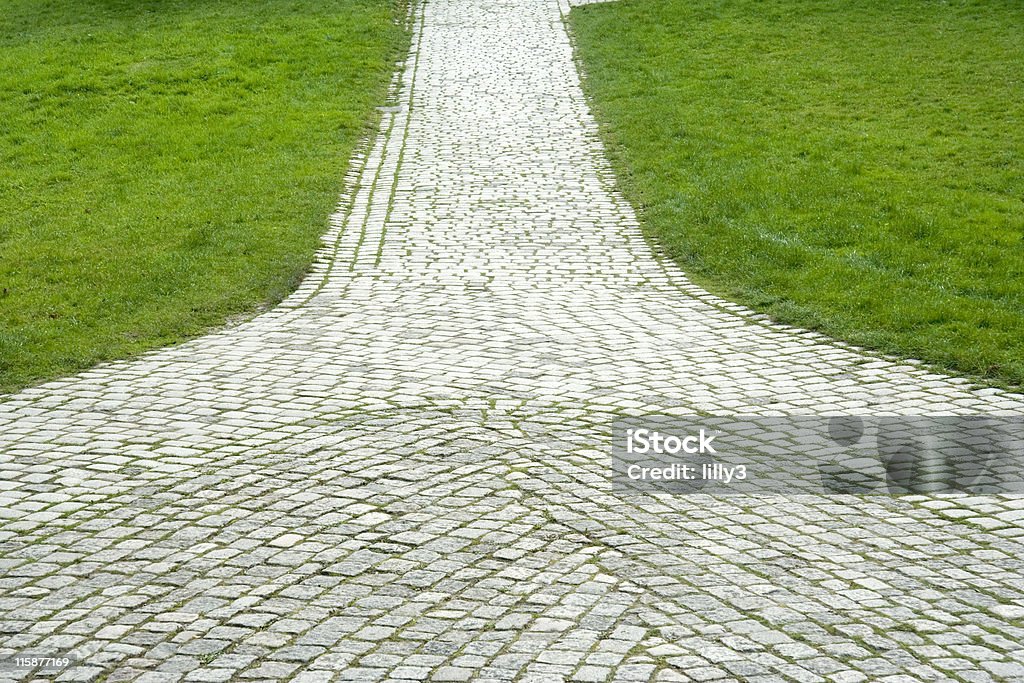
pixel 168 166
pixel 853 170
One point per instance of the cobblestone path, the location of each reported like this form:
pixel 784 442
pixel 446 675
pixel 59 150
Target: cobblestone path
pixel 401 472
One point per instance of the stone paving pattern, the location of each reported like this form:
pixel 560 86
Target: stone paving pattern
pixel 401 472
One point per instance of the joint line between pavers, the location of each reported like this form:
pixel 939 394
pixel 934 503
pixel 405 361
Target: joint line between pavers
pixel 368 206
pixel 405 132
pixel 334 246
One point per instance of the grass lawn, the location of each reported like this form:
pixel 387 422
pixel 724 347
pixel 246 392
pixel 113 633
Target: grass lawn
pixel 854 168
pixel 165 164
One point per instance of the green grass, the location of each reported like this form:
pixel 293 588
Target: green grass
pixel 854 168
pixel 167 164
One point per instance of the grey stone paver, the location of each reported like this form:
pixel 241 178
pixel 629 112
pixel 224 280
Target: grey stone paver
pixel 400 473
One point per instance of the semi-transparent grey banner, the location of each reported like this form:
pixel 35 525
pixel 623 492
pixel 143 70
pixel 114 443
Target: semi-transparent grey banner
pixel 815 455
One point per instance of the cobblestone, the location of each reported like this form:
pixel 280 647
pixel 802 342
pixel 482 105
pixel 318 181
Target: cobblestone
pixel 401 471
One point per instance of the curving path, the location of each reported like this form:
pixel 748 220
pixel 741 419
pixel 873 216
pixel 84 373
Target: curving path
pixel 401 472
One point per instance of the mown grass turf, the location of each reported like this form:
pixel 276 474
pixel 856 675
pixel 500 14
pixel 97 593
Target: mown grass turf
pixel 856 168
pixel 166 164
